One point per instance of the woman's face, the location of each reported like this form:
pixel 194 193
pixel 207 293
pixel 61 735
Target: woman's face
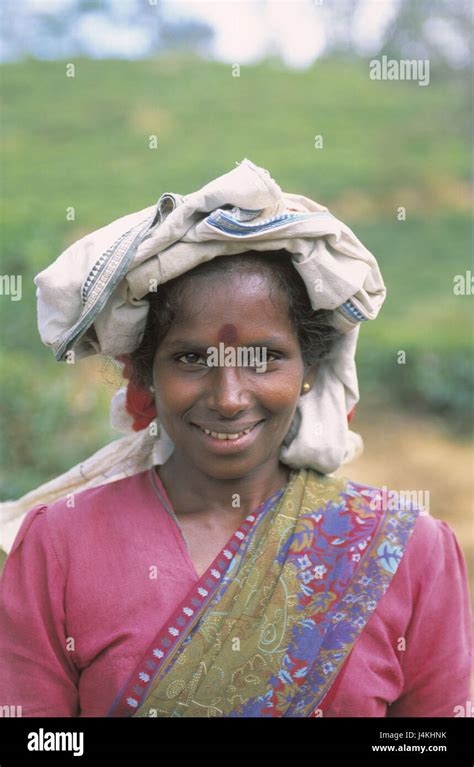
pixel 227 312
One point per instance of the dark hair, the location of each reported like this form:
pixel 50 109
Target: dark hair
pixel 315 333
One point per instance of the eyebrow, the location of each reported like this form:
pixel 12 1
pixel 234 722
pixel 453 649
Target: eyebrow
pixel 179 343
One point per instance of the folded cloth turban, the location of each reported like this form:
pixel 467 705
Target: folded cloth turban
pixel 92 300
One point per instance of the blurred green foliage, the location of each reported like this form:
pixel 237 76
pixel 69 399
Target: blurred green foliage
pixel 83 141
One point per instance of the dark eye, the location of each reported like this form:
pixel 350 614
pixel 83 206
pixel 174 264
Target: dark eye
pixel 266 359
pixel 191 358
pixel 273 357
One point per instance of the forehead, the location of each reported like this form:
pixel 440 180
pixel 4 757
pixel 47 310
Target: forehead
pixel 231 302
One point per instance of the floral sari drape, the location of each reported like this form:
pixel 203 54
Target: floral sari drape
pixel 267 629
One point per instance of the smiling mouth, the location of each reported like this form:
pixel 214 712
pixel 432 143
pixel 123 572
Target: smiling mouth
pixel 226 435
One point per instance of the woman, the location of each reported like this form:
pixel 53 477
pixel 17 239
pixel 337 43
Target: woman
pixel 234 575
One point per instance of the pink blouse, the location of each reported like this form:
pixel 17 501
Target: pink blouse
pixel 78 608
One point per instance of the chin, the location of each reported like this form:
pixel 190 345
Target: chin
pixel 221 469
pixel 230 467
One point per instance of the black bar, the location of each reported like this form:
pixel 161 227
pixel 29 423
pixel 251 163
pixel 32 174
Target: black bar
pixel 343 737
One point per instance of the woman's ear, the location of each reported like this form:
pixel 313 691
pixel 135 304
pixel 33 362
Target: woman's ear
pixel 310 377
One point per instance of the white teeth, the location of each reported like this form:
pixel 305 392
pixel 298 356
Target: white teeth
pixel 227 435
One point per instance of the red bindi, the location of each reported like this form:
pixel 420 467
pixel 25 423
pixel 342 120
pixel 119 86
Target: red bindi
pixel 227 334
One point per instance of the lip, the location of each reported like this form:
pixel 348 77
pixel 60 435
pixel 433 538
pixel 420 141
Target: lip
pixel 233 428
pixel 229 445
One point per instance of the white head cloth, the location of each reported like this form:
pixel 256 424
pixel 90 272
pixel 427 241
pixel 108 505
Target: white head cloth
pixel 92 298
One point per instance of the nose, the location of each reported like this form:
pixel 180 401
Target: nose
pixel 229 393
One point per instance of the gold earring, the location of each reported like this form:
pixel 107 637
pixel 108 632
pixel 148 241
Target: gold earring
pixel 306 386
